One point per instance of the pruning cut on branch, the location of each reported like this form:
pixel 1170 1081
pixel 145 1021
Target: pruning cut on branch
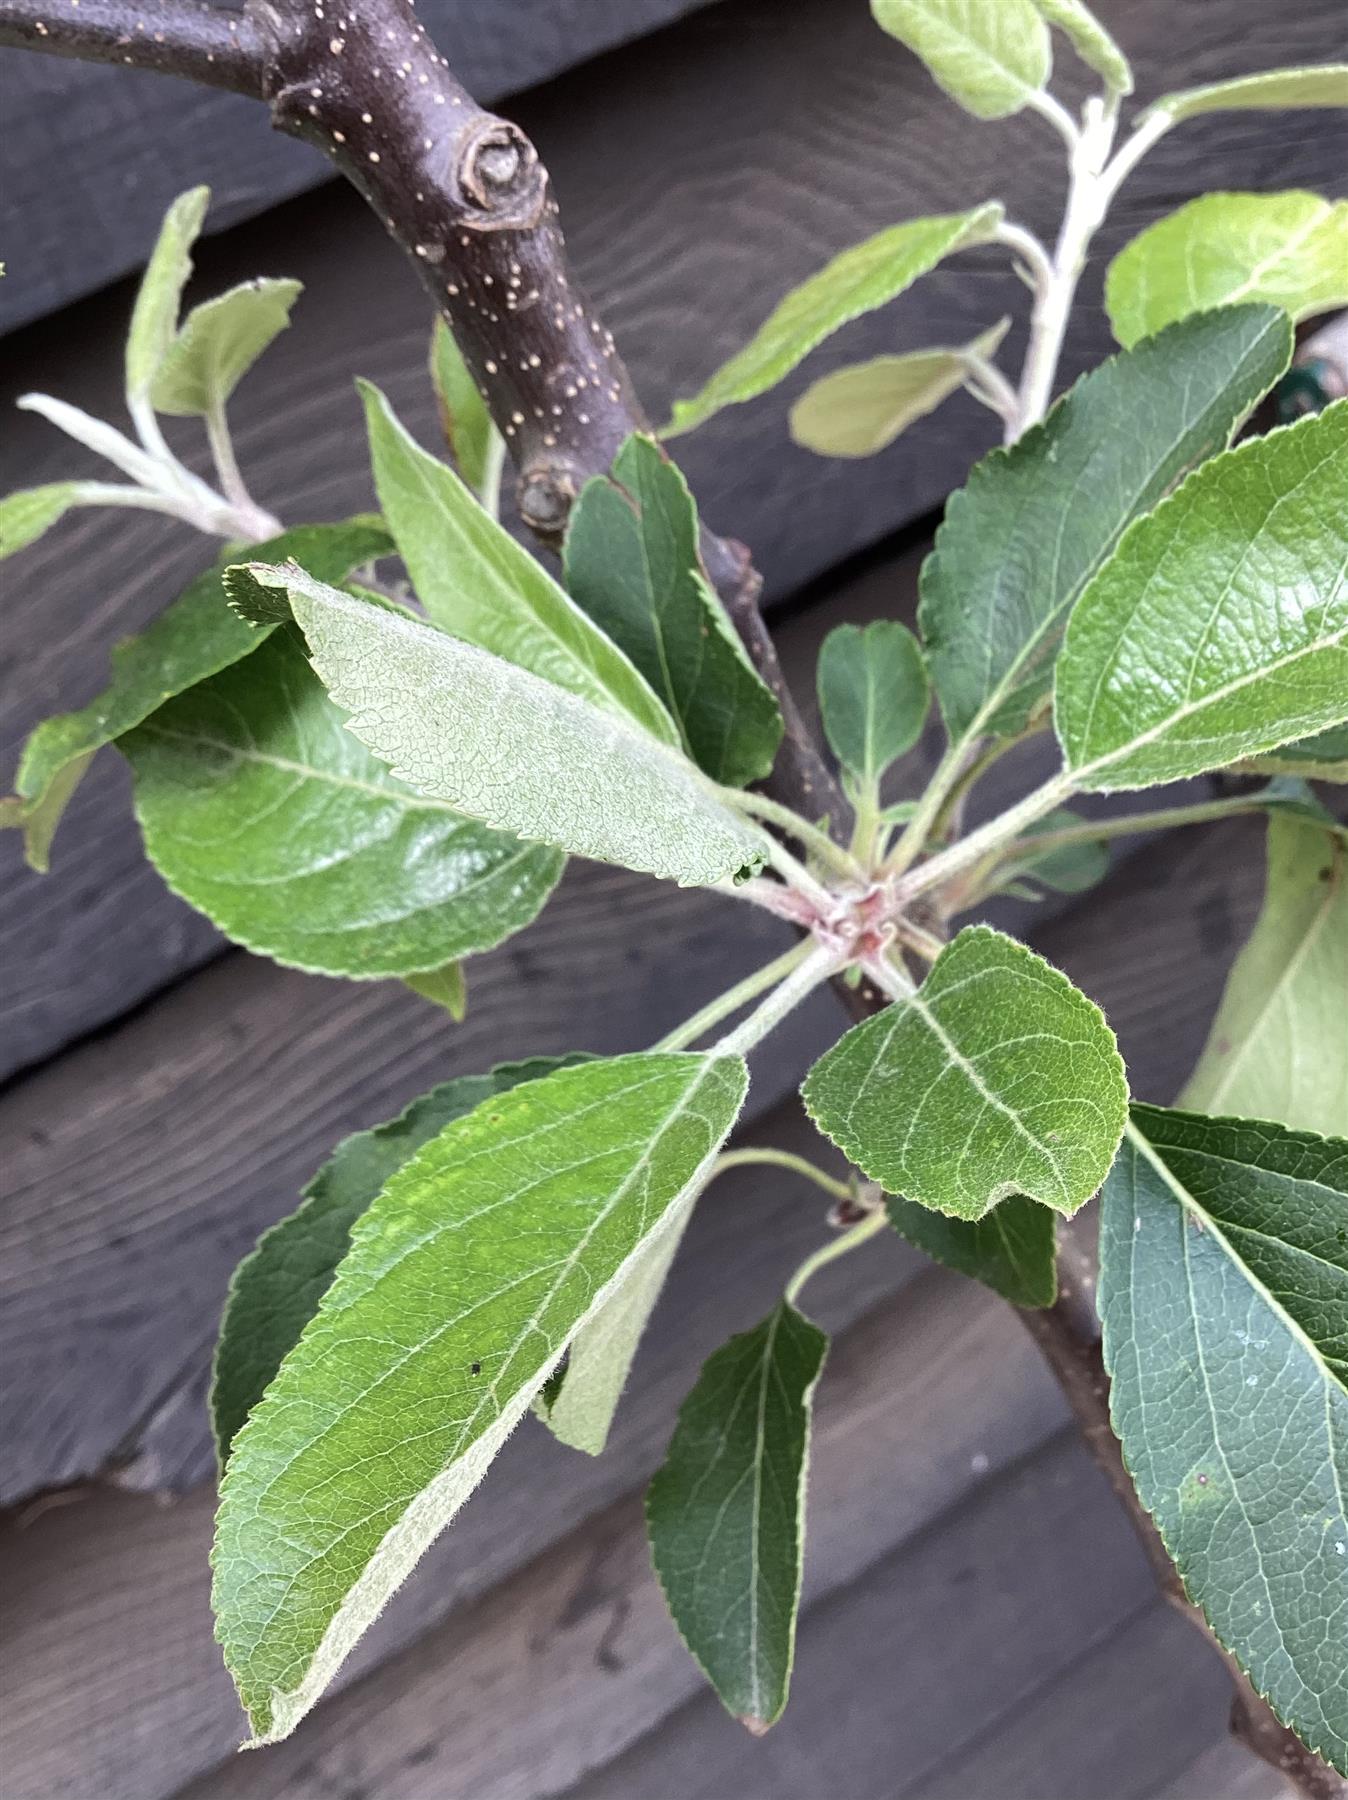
pixel 979 1094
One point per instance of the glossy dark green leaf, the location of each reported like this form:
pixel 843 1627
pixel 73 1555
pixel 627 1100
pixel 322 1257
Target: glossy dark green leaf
pixel 725 1512
pixel 996 1077
pixel 196 637
pixel 632 563
pixel 277 1287
pixel 1035 522
pixel 1012 1250
pixel 1224 1294
pixel 873 695
pixel 480 1259
pixel 260 809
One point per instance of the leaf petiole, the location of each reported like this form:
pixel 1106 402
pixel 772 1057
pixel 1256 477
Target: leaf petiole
pixel 815 968
pixel 734 998
pixel 819 844
pixel 785 1159
pixel 840 1246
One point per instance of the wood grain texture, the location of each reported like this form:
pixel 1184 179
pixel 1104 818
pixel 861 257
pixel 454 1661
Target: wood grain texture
pixel 824 130
pixel 126 143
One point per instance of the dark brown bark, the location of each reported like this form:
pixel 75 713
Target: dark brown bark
pixel 466 197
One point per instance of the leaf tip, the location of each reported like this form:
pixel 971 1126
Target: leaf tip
pixel 755 1726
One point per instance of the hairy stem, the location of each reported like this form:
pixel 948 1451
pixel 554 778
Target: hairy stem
pixel 784 1159
pixel 851 1240
pixel 814 969
pixel 734 998
pixel 1163 818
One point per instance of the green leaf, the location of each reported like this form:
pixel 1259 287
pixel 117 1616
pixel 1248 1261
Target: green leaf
pixel 261 811
pixel 867 276
pixel 447 987
pixel 480 1259
pixel 1278 1048
pixel 992 56
pixel 502 745
pixel 632 564
pixel 154 318
pixel 1013 1250
pixel 858 410
pixel 277 1287
pixel 997 1077
pixel 481 586
pixel 1324 84
pixel 579 1402
pixel 194 638
pixel 474 442
pixel 725 1512
pixel 28 512
pixel 1323 757
pixel 217 344
pixel 873 695
pixel 1035 521
pixel 1290 250
pixel 1066 868
pixel 1224 1295
pixel 1092 43
pixel 1218 628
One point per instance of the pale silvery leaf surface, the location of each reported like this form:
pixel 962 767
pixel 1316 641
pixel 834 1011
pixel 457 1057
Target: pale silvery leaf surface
pixel 474 442
pixel 858 410
pixel 261 810
pixel 1278 1048
pixel 1224 1295
pixel 725 1512
pixel 1290 250
pixel 1219 628
pixel 1035 521
pixel 477 583
pixel 873 695
pixel 154 318
pixel 996 1077
pixel 195 637
pixel 1092 43
pixel 1013 1249
pixel 857 281
pixel 991 56
pixel 217 343
pixel 1315 85
pixel 482 1256
pixel 504 746
pixel 633 565
pixel 277 1287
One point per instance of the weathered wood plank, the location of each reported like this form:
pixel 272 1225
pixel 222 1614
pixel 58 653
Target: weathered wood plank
pixel 141 138
pixel 794 169
pixel 108 1596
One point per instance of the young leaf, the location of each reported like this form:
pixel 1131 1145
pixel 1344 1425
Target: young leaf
pixel 154 318
pixel 1324 84
pixel 1092 43
pixel 28 512
pixel 277 1287
pixel 1290 250
pixel 480 585
pixel 997 1077
pixel 867 276
pixel 578 1403
pixel 217 344
pixel 474 442
pixel 1066 868
pixel 1034 522
pixel 991 56
pixel 1278 1048
pixel 725 1512
pixel 873 695
pixel 1013 1250
pixel 447 987
pixel 502 745
pixel 856 411
pixel 261 811
pixel 196 637
pixel 1219 628
pixel 480 1258
pixel 632 564
pixel 1224 1295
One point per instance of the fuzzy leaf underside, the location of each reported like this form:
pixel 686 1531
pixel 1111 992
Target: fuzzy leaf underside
pixel 1036 521
pixel 1219 628
pixel 480 1259
pixel 991 56
pixel 1224 1296
pixel 261 810
pixel 997 1077
pixel 725 1512
pixel 217 343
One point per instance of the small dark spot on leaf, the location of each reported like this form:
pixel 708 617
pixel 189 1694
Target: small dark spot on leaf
pixel 475 1368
